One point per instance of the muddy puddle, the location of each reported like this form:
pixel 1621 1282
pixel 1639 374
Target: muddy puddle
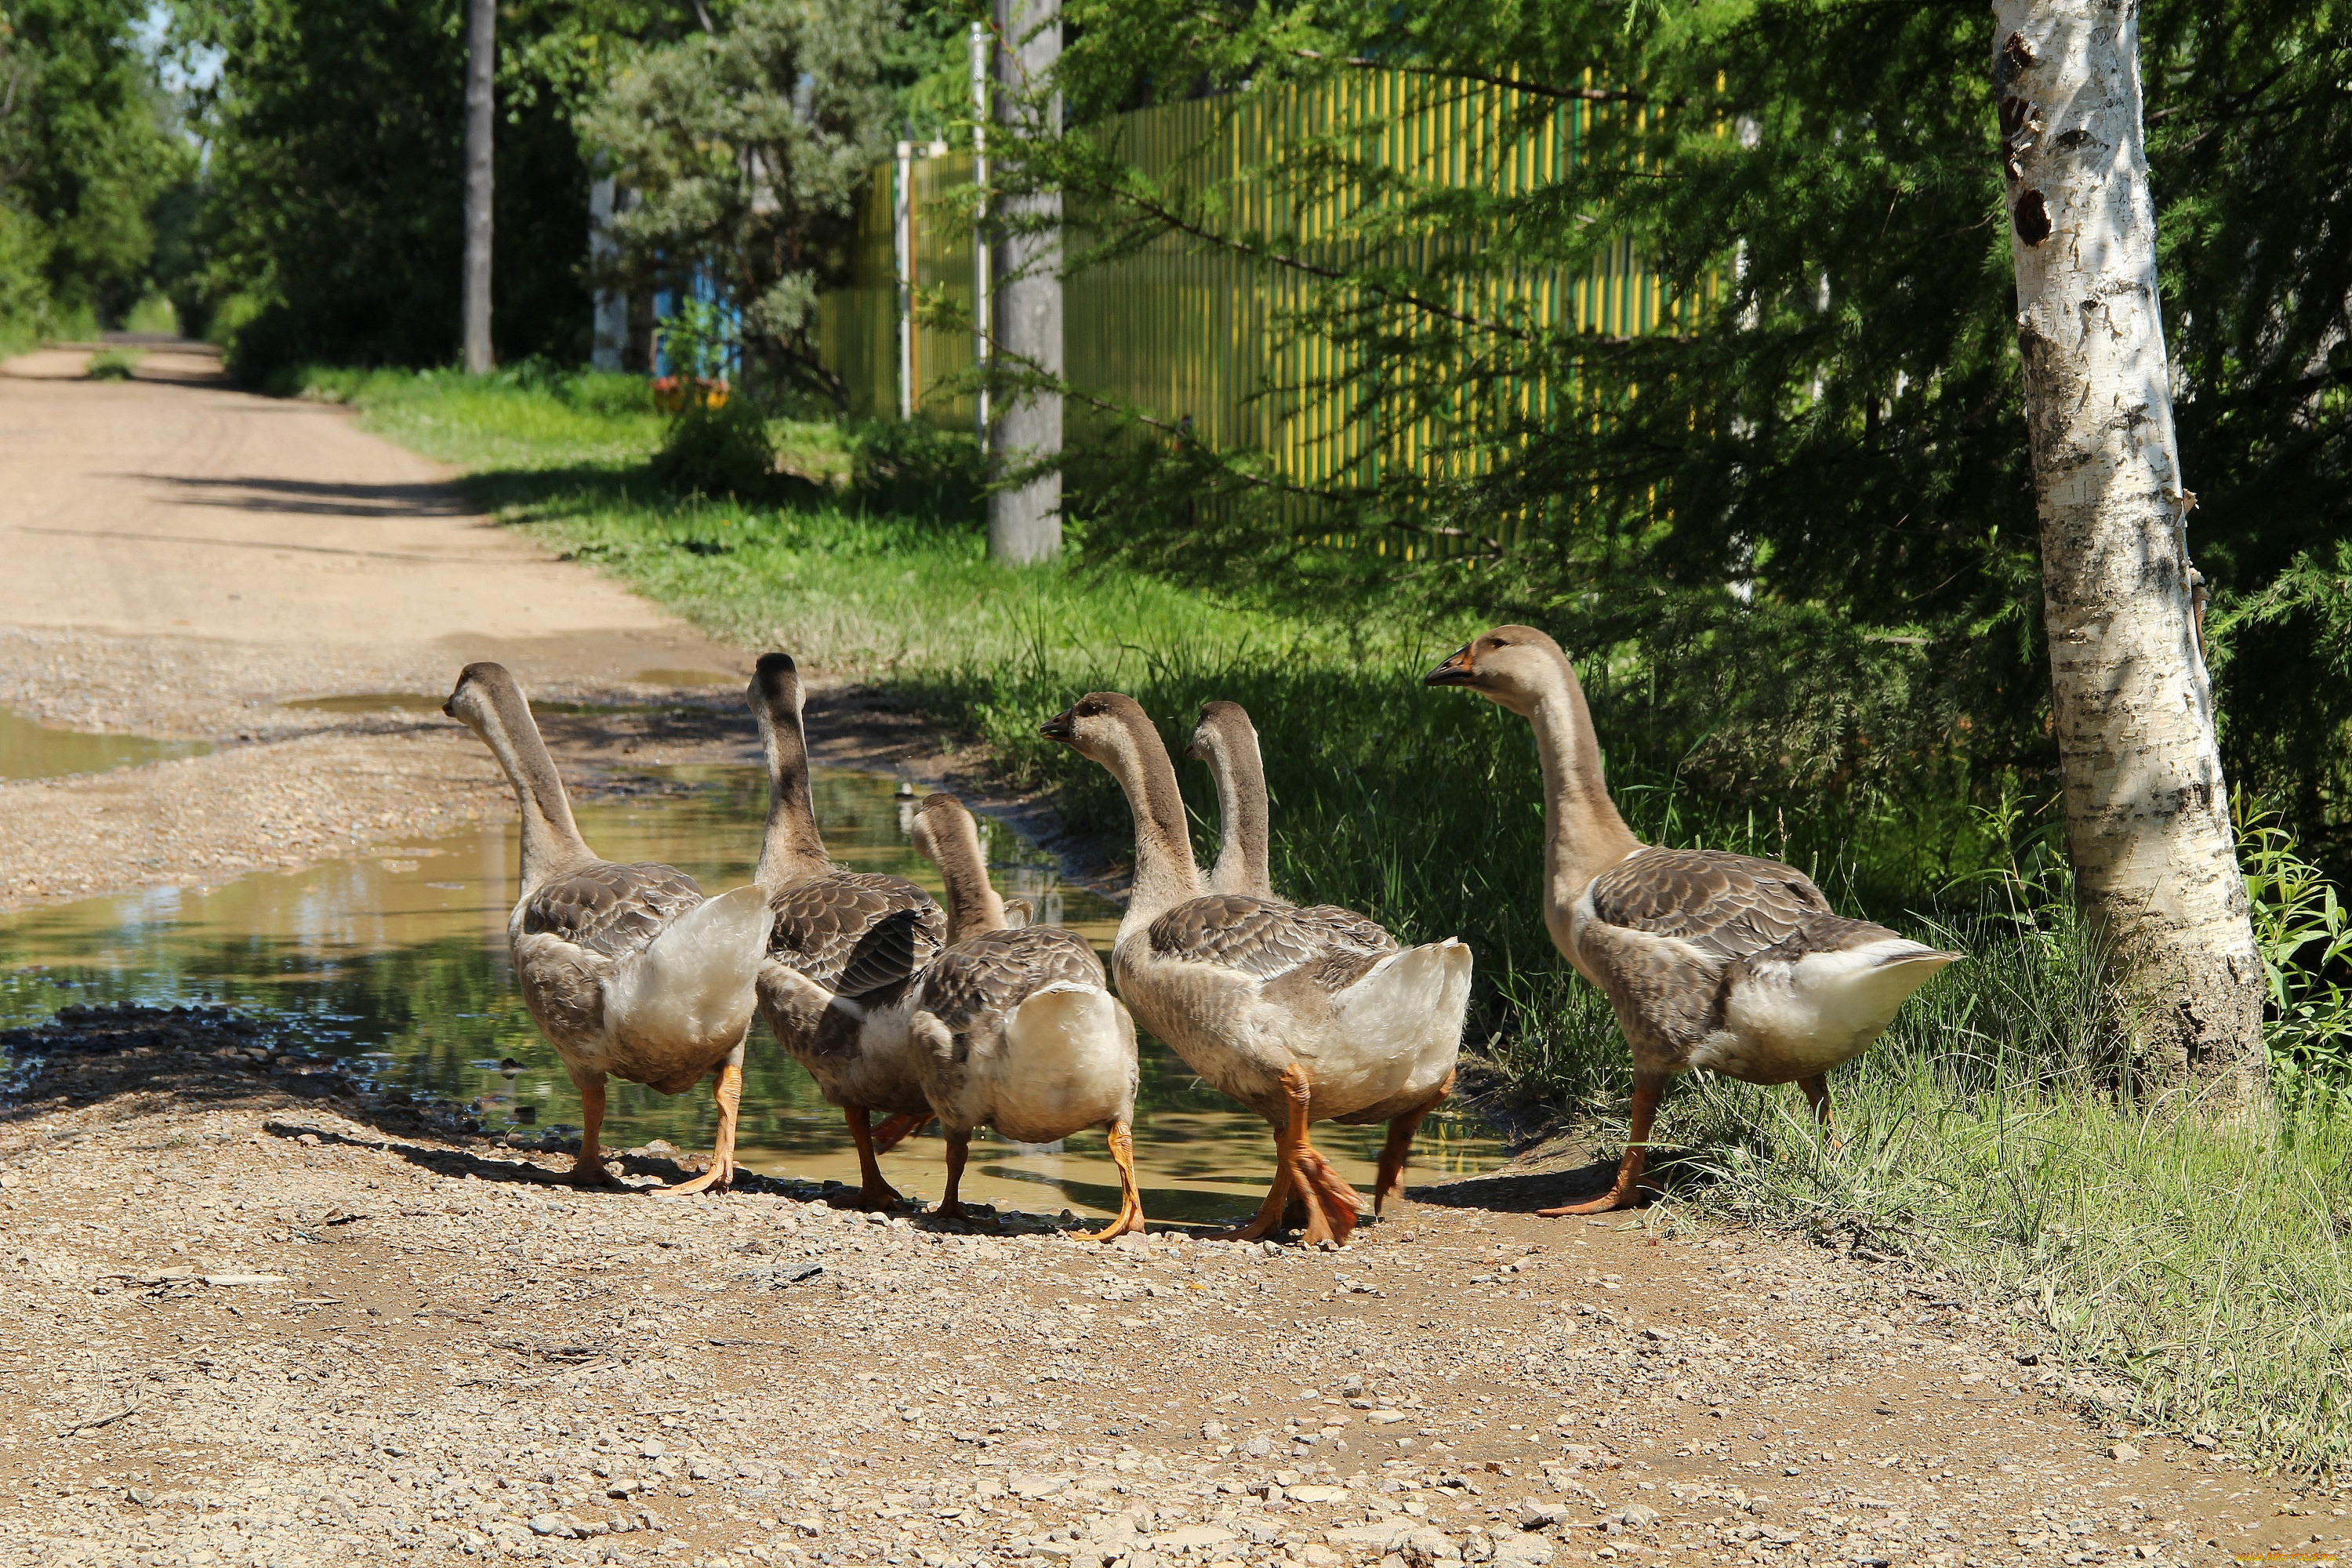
pixel 399 959
pixel 34 751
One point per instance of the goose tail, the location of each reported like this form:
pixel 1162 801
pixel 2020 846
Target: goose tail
pixel 693 983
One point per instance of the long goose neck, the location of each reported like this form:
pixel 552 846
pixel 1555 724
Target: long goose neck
pixel 1165 875
pixel 790 848
pixel 953 846
pixel 1239 773
pixel 550 839
pixel 1583 835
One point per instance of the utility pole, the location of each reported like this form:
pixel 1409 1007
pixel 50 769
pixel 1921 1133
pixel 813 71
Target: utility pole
pixel 481 60
pixel 2147 811
pixel 982 282
pixel 1025 521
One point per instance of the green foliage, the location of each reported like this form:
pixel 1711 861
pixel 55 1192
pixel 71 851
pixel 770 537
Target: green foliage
pixel 745 151
pixel 717 451
pixel 1827 450
pixel 112 364
pixel 2303 933
pixel 82 155
pixel 914 468
pixel 698 341
pixel 331 200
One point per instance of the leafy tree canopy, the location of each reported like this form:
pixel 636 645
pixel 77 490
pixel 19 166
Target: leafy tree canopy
pixel 1795 533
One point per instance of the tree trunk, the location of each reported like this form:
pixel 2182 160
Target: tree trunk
pixel 1025 521
pixel 2148 817
pixel 481 58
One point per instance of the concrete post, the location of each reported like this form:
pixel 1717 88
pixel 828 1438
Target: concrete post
pixel 612 316
pixel 1024 523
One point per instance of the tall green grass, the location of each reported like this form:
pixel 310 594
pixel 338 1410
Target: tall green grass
pixel 1992 1132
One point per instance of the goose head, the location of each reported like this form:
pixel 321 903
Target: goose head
pixel 790 848
pixel 1512 666
pixel 1222 724
pixel 1107 727
pixel 486 699
pixel 775 694
pixel 945 833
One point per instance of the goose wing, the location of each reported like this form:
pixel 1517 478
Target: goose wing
pixel 855 932
pixel 1669 925
pixel 608 909
pixel 1267 941
pixel 994 971
pixel 1727 907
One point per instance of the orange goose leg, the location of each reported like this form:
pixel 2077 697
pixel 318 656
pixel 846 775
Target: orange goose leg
pixel 589 1169
pixel 1331 1203
pixel 958 1150
pixel 874 1192
pixel 1402 1128
pixel 727 1088
pixel 896 1127
pixel 1130 1202
pixel 1817 1095
pixel 1621 1196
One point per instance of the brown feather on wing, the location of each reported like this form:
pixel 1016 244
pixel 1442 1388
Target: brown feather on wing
pixel 992 972
pixel 1267 941
pixel 1726 906
pixel 609 909
pixel 857 932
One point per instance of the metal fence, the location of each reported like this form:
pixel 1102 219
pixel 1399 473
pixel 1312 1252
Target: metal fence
pixel 1183 330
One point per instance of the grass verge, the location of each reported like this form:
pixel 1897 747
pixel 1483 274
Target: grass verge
pixel 2200 1258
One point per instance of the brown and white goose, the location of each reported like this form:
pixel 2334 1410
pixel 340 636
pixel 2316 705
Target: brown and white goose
pixel 1294 1016
pixel 1016 1028
pixel 837 989
pixel 1226 739
pixel 1723 962
pixel 628 970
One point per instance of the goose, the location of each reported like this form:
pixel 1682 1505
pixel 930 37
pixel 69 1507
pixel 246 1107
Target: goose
pixel 628 970
pixel 837 987
pixel 1014 1028
pixel 1291 1012
pixel 1710 960
pixel 1226 739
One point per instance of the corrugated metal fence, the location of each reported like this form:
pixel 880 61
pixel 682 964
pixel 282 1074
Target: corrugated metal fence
pixel 1184 329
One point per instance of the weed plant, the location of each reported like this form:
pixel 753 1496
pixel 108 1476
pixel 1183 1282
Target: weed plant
pixel 112 364
pixel 1993 1132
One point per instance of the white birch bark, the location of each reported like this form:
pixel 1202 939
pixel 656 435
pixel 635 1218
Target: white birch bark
pixel 481 60
pixel 2147 814
pixel 1025 521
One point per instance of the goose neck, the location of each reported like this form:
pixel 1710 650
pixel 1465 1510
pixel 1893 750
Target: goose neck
pixel 790 848
pixel 550 839
pixel 972 906
pixel 1165 874
pixel 1583 834
pixel 1241 864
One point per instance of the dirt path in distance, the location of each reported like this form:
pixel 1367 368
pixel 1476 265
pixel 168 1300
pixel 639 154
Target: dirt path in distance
pixel 185 559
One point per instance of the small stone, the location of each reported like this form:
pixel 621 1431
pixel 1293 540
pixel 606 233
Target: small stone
pixel 1638 1516
pixel 1384 1417
pixel 2124 1451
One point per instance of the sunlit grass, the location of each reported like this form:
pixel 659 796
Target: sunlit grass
pixel 2199 1258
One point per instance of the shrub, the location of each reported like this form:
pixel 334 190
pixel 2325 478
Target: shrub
pixel 112 364
pixel 717 451
pixel 911 466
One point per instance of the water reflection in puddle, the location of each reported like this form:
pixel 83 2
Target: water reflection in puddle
pixel 400 957
pixel 32 750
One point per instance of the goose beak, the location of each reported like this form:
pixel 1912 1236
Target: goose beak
pixel 1062 727
pixel 1454 672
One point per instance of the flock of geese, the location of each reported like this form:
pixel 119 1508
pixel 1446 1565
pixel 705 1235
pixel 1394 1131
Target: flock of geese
pixel 907 1009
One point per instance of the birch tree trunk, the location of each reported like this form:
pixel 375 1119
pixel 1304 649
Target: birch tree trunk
pixel 2148 817
pixel 482 23
pixel 1025 521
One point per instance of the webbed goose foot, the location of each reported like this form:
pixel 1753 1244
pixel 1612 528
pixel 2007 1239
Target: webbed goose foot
pixel 1624 1193
pixel 874 1192
pixel 1130 1202
pixel 952 1201
pixel 727 1089
pixel 1300 1172
pixel 588 1167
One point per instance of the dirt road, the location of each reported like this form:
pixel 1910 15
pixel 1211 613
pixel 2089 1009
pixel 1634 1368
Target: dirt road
pixel 185 559
pixel 257 1316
